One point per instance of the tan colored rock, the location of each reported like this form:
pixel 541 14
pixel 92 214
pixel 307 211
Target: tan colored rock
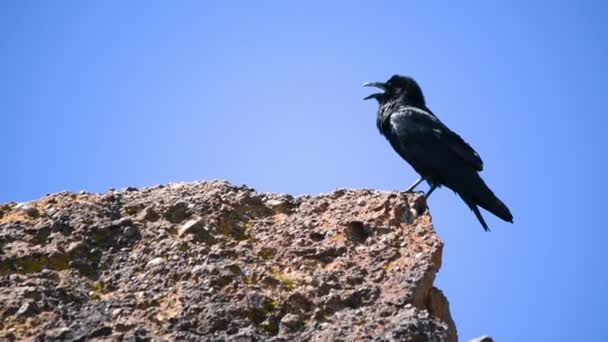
pixel 222 262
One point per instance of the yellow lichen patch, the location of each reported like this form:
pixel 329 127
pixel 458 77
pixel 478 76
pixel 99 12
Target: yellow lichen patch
pixel 225 228
pixel 338 237
pixel 59 262
pixel 231 228
pixel 35 263
pixel 267 252
pixel 288 280
pixel 247 280
pixel 322 316
pixel 258 314
pixel 98 291
pixel 275 302
pixel 169 306
pixel 395 263
pixel 4 267
pixel 388 266
pixel 184 246
pixel 235 269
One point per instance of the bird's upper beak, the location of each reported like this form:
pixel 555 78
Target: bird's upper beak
pixel 377 85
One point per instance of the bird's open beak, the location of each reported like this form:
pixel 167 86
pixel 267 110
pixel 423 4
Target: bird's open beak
pixel 377 85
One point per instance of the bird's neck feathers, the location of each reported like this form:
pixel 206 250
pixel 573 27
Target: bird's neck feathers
pixel 391 106
pixel 413 99
pixel 384 112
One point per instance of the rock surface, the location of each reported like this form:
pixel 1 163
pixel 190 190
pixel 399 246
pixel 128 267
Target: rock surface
pixel 211 261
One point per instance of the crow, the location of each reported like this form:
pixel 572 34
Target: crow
pixel 439 155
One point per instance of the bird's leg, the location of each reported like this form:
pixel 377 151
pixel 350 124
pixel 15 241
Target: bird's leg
pixel 428 193
pixel 411 188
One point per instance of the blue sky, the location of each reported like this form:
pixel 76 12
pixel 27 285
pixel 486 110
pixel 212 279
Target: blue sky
pixel 108 94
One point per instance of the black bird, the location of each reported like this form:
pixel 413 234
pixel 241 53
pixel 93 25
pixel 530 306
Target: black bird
pixel 440 156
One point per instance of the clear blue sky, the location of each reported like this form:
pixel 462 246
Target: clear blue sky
pixel 107 94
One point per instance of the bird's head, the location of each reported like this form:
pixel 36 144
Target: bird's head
pixel 397 88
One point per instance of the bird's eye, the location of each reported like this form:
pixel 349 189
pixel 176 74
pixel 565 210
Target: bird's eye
pixel 397 90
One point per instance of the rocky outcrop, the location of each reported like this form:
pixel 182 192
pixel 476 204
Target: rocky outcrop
pixel 211 261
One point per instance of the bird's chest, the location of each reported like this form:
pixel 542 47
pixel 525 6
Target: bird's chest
pixel 401 134
pixel 383 120
pixel 398 132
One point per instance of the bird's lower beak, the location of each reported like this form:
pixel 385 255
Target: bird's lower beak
pixel 373 96
pixel 377 85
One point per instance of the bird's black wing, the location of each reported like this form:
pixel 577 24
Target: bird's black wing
pixel 414 122
pixel 441 156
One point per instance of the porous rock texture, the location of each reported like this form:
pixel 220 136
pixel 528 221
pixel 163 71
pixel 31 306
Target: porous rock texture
pixel 211 261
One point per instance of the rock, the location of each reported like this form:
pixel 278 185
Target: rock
pixel 28 209
pixel 58 334
pixel 76 247
pixel 191 227
pixel 148 214
pixel 123 222
pixel 129 231
pixel 198 270
pixel 28 309
pixel 212 261
pixel 50 212
pixel 197 228
pixel 281 205
pixel 101 331
pixel 275 203
pixel 109 196
pixel 156 262
pixel 177 212
pixel 483 339
pixel 290 323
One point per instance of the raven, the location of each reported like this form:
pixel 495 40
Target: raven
pixel 440 156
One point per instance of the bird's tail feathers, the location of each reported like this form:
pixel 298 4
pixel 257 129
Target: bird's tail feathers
pixel 474 208
pixel 496 207
pixel 486 199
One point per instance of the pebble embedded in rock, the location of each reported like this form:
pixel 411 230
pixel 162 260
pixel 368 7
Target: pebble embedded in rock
pixel 129 231
pixel 275 203
pixel 191 226
pixel 76 247
pixel 58 334
pixel 156 262
pixel 198 270
pixel 148 214
pixel 290 323
pixel 27 309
